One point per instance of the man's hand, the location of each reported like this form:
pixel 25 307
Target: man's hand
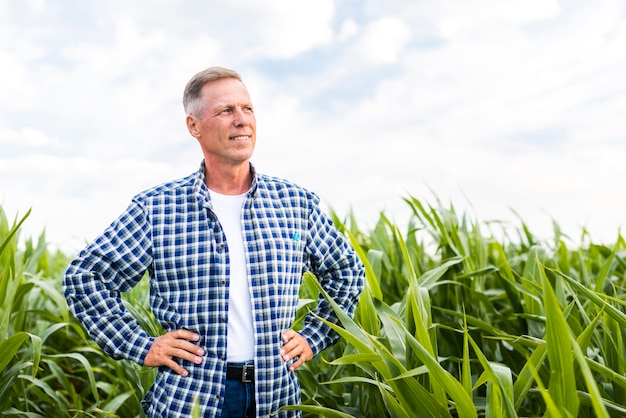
pixel 172 345
pixel 295 346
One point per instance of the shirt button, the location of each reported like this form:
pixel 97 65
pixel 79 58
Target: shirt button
pixel 224 282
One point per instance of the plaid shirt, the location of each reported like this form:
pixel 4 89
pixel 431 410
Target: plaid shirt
pixel 171 232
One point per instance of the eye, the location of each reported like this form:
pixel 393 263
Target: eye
pixel 227 110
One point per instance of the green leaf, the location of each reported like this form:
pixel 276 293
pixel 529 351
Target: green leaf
pixel 319 410
pixel 370 276
pixel 86 367
pixel 562 386
pixel 9 347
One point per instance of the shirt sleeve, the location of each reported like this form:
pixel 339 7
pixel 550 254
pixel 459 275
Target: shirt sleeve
pixel 113 263
pixel 340 273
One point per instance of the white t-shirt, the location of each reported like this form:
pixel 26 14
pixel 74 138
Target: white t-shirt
pixel 240 341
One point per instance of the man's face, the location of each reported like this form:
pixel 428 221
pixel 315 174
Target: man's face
pixel 227 129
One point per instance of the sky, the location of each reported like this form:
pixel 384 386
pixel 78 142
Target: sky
pixel 504 109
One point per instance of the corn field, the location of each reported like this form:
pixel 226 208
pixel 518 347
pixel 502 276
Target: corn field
pixel 452 322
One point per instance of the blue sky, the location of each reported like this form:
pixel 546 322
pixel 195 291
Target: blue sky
pixel 492 106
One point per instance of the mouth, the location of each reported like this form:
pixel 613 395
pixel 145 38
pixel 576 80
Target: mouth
pixel 240 138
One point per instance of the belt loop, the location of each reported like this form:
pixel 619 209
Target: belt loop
pixel 244 373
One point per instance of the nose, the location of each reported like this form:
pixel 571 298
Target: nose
pixel 242 117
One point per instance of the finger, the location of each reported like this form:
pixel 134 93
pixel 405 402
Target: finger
pixel 291 339
pixel 185 346
pixel 290 345
pixel 177 368
pixel 288 353
pixel 166 359
pixel 301 349
pixel 179 339
pixel 185 355
pixel 299 362
pixel 184 334
pixel 289 334
pixel 167 346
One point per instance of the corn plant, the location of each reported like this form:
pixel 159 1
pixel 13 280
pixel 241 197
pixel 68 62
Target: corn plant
pixel 452 322
pixel 48 365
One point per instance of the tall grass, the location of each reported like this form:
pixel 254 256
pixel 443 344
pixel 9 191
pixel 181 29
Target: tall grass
pixel 452 323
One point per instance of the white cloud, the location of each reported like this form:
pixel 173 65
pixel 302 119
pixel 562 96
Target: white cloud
pixel 17 87
pixel 348 29
pixel 505 104
pixel 17 92
pixel 74 199
pixel 384 40
pixel 37 6
pixel 459 19
pixel 28 137
pixel 286 29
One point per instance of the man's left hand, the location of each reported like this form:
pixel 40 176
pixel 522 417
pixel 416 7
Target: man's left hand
pixel 295 346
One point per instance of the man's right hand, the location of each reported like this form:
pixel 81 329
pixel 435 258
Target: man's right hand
pixel 172 345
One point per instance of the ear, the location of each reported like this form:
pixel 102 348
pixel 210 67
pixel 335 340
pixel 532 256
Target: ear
pixel 193 125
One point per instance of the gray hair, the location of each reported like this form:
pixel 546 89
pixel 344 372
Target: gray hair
pixel 192 97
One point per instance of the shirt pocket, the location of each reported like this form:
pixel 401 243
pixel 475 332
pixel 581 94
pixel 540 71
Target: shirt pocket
pixel 286 265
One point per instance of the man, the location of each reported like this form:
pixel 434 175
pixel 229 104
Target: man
pixel 225 249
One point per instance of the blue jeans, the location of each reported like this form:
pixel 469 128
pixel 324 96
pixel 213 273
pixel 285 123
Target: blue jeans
pixel 238 400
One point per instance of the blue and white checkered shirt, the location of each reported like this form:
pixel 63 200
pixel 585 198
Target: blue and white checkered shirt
pixel 171 232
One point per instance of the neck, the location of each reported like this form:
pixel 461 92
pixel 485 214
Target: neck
pixel 229 181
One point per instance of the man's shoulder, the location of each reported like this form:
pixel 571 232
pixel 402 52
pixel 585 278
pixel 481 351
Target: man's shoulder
pixel 178 186
pixel 268 182
pixel 276 187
